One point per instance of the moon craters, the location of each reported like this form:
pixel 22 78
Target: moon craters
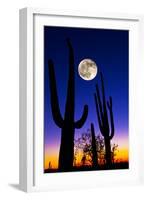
pixel 87 69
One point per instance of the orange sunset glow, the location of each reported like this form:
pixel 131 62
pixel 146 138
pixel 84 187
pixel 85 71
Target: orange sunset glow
pixel 122 154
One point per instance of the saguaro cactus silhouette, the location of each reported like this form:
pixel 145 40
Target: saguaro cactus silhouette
pixel 94 149
pixel 106 126
pixel 66 123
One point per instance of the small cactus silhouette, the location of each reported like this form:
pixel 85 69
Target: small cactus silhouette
pixel 94 149
pixel 103 121
pixel 66 123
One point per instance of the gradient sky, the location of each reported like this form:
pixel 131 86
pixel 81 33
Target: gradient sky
pixel 109 50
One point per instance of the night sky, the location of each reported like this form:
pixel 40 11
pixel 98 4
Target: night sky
pixel 109 50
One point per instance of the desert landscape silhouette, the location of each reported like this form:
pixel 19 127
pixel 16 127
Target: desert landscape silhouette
pixel 86 128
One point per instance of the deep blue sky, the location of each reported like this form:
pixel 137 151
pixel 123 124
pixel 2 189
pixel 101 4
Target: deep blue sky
pixel 109 50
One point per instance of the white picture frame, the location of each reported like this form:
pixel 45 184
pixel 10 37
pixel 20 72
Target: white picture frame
pixel 31 101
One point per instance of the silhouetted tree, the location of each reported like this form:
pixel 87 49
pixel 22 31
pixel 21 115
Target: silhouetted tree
pixel 101 150
pixel 114 149
pixel 107 130
pixel 91 149
pixel 66 123
pixel 84 144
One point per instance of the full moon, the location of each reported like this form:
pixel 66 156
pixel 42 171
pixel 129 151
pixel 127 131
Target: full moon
pixel 87 69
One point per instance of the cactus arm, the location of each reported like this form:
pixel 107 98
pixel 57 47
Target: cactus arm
pixel 103 95
pixel 103 90
pixel 98 114
pixel 109 104
pixel 99 100
pixel 78 124
pixel 70 99
pixel 54 97
pixel 105 115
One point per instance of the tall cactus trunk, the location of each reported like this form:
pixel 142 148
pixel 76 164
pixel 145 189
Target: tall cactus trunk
pixel 67 123
pixel 66 153
pixel 94 150
pixel 106 124
pixel 108 151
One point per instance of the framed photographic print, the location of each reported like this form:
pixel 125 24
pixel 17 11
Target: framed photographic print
pixel 80 123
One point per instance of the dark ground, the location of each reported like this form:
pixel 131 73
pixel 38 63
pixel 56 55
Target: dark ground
pixel 122 165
